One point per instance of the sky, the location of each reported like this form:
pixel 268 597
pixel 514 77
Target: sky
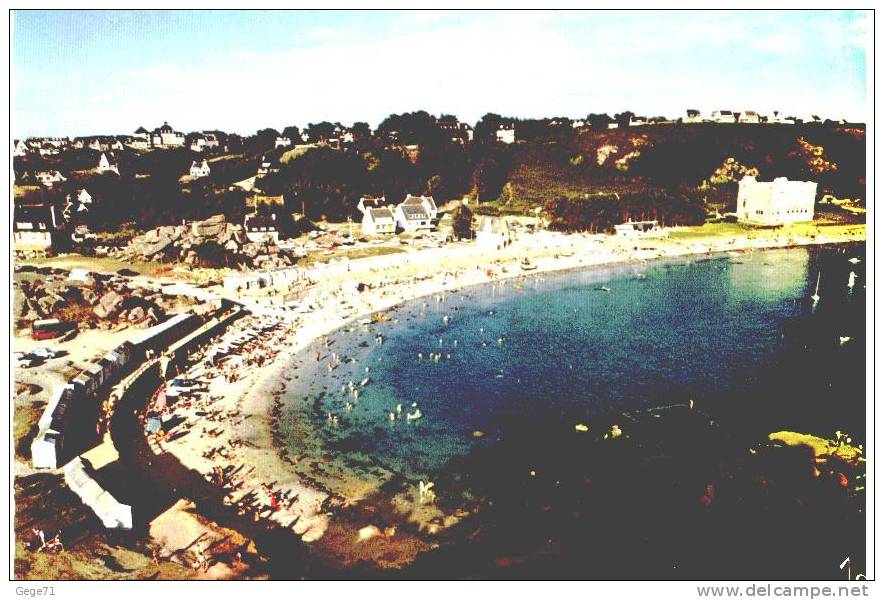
pixel 109 72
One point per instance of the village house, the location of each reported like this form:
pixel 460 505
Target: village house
pixel 693 116
pixel 116 145
pixel 33 225
pixel 256 200
pixel 775 202
pixel 107 165
pixel 750 116
pixel 415 213
pixel 137 143
pixel 426 201
pixel 494 233
pixel 49 178
pixel 267 167
pixel 166 137
pixel 261 228
pixel 199 169
pixel 142 134
pixel 377 221
pixel 76 202
pixel 282 142
pixel 95 144
pixel 366 202
pixel 48 150
pixel 19 148
pixel 723 116
pixel 506 135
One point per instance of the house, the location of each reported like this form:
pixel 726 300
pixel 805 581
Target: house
pixel 378 221
pixel 723 116
pixel 47 149
pixel 775 202
pixel 750 116
pixel 166 137
pixel 415 213
pixel 694 116
pixel 33 225
pixel 506 135
pixel 95 144
pixel 282 142
pixel 261 228
pixel 116 145
pixel 198 143
pixel 494 233
pixel 366 202
pixel 76 202
pixel 107 165
pixel 211 140
pixel 19 148
pixel 466 132
pixel 142 134
pixel 137 143
pixel 199 169
pixel 267 168
pixel 426 201
pixel 635 121
pixel 49 178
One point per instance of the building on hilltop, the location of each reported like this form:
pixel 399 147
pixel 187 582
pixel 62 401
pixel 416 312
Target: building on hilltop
pixel 775 202
pixel 166 137
pixel 282 142
pixel 49 178
pixel 506 135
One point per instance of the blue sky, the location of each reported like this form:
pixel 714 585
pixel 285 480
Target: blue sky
pixel 88 72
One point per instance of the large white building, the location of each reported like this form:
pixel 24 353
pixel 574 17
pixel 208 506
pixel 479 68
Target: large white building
pixel 377 221
pixel 166 137
pixel 775 202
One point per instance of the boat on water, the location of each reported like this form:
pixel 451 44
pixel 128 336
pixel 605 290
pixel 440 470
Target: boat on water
pixel 603 288
pixel 816 292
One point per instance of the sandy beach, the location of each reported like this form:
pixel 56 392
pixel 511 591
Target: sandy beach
pixel 235 425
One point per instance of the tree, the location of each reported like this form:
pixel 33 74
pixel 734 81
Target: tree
pixel 599 121
pixel 293 133
pixel 624 118
pixel 462 223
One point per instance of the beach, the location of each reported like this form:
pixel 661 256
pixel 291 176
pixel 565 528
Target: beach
pixel 248 407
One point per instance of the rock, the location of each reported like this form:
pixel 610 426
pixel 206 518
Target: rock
pixel 368 532
pixel 108 305
pixel 136 314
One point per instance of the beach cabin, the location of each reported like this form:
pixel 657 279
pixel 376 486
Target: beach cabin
pixel 638 229
pixel 494 233
pixel 775 202
pixel 377 221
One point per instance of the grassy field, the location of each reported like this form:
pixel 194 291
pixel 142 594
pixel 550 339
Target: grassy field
pixel 734 229
pixel 349 253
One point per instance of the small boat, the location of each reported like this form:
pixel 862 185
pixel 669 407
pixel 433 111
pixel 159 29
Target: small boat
pixel 851 280
pixel 854 260
pixel 816 292
pixel 603 288
pixel 365 381
pixel 417 414
pixel 527 266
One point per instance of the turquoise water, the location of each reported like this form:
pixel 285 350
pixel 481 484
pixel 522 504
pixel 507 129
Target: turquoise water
pixel 736 334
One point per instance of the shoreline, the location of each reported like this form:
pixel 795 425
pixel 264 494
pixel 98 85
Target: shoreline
pixel 328 310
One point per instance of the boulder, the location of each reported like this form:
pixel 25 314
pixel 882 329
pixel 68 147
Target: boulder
pixel 108 305
pixel 136 314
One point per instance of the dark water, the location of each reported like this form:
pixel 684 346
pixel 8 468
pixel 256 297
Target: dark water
pixel 737 334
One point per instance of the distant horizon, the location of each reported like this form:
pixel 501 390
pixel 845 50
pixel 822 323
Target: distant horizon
pixel 111 72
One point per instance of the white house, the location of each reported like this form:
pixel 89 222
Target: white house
pixel 199 169
pixel 425 201
pixel 19 148
pixel 33 226
pixel 267 168
pixel 166 137
pixel 494 233
pixel 106 166
pixel 506 135
pixel 750 116
pixel 137 143
pixel 775 202
pixel 693 116
pixel 377 221
pixel 282 142
pixel 95 144
pixel 723 116
pixel 366 202
pixel 48 178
